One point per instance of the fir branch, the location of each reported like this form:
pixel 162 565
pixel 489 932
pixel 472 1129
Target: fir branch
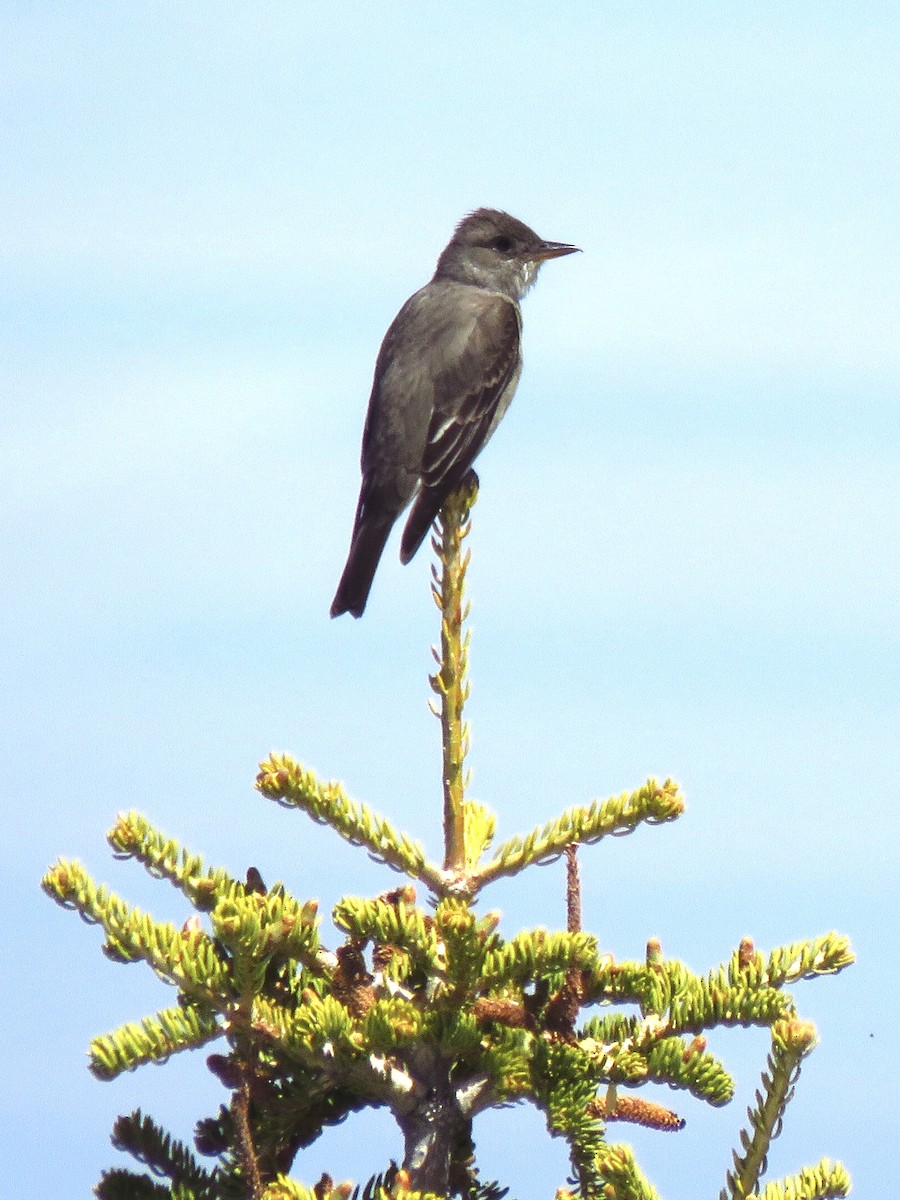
pixel 690 1067
pixel 323 1037
pixel 465 945
pixel 663 981
pixel 154 1040
pixel 617 1062
pixel 285 1188
pixel 620 1173
pixel 608 981
pixel 121 1184
pixel 654 984
pixel 378 1185
pixel 611 1027
pixel 535 955
pixel 296 1111
pixel 321 1026
pixel 450 683
pixel 459 1033
pixel 507 1060
pixel 564 1085
pixel 140 1136
pixel 805 960
pixel 288 783
pixel 392 1184
pixel 260 926
pixel 188 959
pixel 277 1024
pixel 633 1051
pixel 714 1003
pixel 827 1181
pixel 651 804
pixel 486 1190
pixel 689 1003
pixel 392 1022
pixel 792 1040
pixel 386 923
pixel 133 836
pixel 825 955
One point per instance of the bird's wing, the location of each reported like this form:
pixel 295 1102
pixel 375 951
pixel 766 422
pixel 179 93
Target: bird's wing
pixel 469 390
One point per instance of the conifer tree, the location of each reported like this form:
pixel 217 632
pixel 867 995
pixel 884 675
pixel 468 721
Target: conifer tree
pixel 421 1005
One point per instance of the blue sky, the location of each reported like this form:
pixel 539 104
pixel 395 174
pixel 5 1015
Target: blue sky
pixel 686 553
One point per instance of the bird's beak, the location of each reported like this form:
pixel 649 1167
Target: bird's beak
pixel 545 250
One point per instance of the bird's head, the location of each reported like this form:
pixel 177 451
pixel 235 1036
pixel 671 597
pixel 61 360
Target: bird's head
pixel 493 250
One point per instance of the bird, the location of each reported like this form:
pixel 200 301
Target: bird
pixel 444 377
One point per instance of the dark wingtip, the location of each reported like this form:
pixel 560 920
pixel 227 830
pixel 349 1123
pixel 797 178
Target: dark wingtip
pixel 417 526
pixel 410 546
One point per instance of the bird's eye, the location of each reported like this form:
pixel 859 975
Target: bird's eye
pixel 501 243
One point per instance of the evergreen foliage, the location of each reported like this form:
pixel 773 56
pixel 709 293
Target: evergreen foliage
pixel 425 1008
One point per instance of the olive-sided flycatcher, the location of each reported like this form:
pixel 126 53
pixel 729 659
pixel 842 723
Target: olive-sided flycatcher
pixel 445 375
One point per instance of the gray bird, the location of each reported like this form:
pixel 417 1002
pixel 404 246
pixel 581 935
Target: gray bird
pixel 445 375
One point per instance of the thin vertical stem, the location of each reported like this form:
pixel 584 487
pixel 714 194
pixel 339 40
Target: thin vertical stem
pixel 573 890
pixel 451 682
pixel 244 1147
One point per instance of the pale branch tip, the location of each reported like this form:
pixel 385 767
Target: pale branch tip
pixel 154 1040
pixel 826 1181
pixel 282 779
pixel 653 803
pixel 792 1040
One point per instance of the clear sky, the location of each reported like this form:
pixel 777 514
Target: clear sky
pixel 686 550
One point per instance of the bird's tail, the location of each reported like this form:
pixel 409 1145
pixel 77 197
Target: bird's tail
pixel 366 548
